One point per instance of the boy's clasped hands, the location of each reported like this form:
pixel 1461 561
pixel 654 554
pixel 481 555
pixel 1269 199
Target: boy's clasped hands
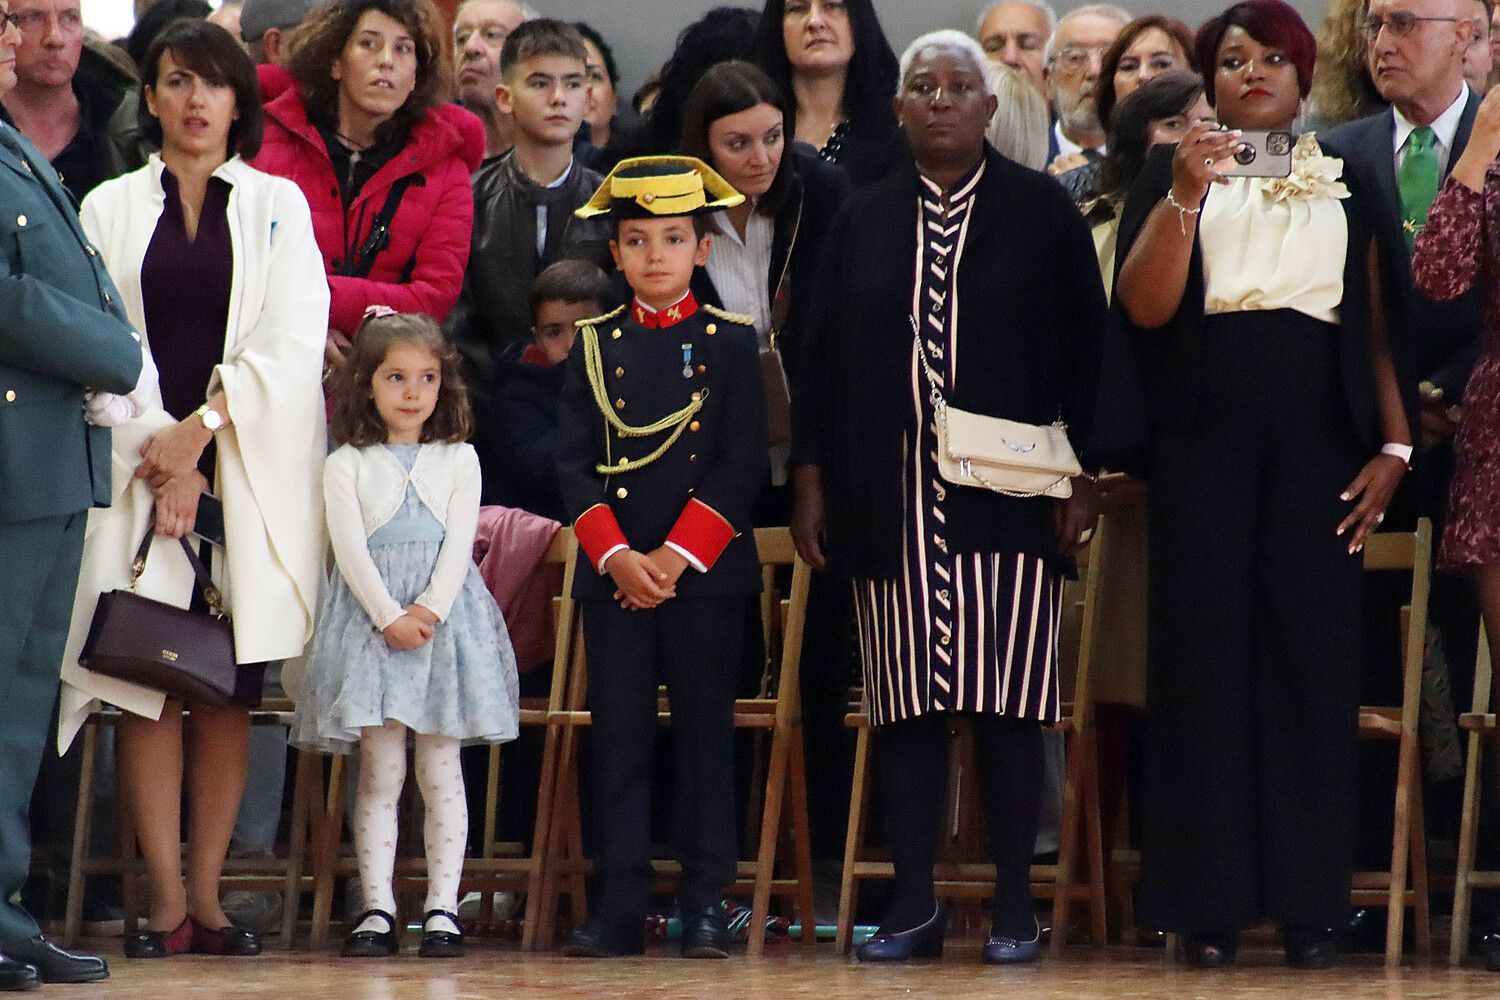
pixel 645 580
pixel 411 630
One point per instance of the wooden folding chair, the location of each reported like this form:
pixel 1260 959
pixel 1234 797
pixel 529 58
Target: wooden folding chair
pixel 1405 884
pixel 1080 828
pixel 283 874
pixel 783 795
pixel 1479 722
pixel 500 865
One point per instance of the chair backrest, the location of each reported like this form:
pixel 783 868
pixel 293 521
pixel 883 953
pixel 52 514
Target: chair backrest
pixel 563 552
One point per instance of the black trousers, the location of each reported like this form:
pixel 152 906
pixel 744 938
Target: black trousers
pixel 1255 631
pixel 693 645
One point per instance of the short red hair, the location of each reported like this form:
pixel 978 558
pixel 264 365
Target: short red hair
pixel 1269 22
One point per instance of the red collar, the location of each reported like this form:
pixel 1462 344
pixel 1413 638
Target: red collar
pixel 670 316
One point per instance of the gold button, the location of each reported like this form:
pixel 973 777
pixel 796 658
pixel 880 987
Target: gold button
pixel 619 404
pixel 10 395
pixel 21 220
pixel 694 425
pixel 711 329
pixel 108 298
pixel 91 251
pixel 697 396
pixel 702 369
pixel 619 372
pixel 647 198
pixel 945 640
pixel 27 165
pixel 622 493
pixel 615 335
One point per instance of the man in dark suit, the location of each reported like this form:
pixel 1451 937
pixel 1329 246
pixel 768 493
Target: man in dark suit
pixel 1416 53
pixel 62 332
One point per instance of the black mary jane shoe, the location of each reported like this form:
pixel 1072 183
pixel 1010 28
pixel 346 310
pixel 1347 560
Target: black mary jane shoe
pixel 1311 947
pixel 55 965
pixel 705 934
pixel 923 941
pixel 1210 950
pixel 440 944
pixel 600 939
pixel 372 944
pixel 147 943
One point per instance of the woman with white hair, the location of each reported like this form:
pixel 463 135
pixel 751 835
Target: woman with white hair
pixel 962 282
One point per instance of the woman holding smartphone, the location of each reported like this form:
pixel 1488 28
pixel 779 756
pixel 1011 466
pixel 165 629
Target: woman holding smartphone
pixel 221 275
pixel 1278 436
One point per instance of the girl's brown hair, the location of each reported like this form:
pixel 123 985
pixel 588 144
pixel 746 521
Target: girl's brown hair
pixel 355 420
pixel 320 39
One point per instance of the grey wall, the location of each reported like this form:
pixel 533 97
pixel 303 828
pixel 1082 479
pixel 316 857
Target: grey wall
pixel 643 31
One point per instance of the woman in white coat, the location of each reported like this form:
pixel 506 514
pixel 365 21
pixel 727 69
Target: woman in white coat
pixel 219 270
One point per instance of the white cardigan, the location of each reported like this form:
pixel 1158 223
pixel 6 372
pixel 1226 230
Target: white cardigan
pixel 269 458
pixel 363 489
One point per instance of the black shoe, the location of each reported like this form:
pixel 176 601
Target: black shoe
pixel 601 939
pixel 922 941
pixel 1002 950
pixel 372 944
pixel 1210 951
pixel 441 944
pixel 1311 947
pixel 705 934
pixel 55 965
pixel 228 940
pixel 1364 934
pixel 16 977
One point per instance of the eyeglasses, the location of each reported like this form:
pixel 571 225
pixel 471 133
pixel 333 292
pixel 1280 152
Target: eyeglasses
pixel 1074 58
pixel 1401 22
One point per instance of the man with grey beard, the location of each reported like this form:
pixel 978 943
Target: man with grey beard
pixel 1074 57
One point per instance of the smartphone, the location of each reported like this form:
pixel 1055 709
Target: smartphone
pixel 1260 153
pixel 209 525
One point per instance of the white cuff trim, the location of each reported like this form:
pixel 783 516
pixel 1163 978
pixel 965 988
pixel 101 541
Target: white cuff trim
pixel 693 560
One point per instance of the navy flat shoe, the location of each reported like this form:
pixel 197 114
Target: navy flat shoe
pixel 1001 950
pixel 923 941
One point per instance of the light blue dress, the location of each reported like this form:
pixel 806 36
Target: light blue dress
pixel 460 684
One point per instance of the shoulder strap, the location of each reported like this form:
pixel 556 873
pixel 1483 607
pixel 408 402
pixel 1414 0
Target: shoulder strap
pixel 360 262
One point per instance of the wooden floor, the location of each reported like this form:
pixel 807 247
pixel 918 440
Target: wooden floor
pixel 495 973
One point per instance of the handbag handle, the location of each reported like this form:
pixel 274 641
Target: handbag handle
pixel 940 402
pixel 200 572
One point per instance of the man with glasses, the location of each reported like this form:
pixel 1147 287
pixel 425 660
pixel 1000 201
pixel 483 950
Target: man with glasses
pixel 1416 60
pixel 74 104
pixel 1016 33
pixel 1073 60
pixel 479 32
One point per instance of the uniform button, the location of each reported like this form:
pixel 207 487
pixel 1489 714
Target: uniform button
pixel 702 369
pixel 615 335
pixel 21 220
pixel 692 458
pixel 711 329
pixel 945 640
pixel 26 165
pixel 697 396
pixel 135 336
pixel 619 404
pixel 694 425
pixel 622 493
pixel 619 373
pixel 108 298
pixel 91 251
pixel 10 395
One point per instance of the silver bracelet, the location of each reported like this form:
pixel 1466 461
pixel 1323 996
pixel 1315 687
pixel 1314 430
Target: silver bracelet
pixel 1182 212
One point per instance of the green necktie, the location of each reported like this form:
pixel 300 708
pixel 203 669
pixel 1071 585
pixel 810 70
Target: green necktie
pixel 1417 180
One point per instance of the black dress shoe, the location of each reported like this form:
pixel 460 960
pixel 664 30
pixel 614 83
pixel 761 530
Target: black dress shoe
pixel 372 944
pixel 160 944
pixel 16 977
pixel 922 941
pixel 1489 949
pixel 1210 950
pixel 440 944
pixel 55 965
pixel 705 934
pixel 1311 947
pixel 605 939
pixel 1364 933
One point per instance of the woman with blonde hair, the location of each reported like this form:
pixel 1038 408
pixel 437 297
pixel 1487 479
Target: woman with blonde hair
pixel 1021 126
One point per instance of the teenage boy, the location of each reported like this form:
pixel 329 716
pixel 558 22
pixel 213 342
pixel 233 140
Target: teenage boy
pixel 531 378
pixel 663 450
pixel 523 210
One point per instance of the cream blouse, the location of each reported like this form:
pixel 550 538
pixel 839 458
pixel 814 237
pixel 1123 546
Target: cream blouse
pixel 1277 243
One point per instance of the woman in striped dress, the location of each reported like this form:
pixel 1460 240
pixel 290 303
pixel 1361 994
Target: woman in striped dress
pixel 957 589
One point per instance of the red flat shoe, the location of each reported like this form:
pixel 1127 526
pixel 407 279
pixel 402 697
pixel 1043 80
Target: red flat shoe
pixel 230 940
pixel 160 944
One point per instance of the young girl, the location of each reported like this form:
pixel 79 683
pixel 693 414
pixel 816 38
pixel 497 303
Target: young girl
pixel 408 638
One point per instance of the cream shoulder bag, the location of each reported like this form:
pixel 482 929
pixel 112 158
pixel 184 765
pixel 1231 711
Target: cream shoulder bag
pixel 1005 456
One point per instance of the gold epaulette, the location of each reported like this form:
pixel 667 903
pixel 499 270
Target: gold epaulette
pixel 596 320
pixel 741 318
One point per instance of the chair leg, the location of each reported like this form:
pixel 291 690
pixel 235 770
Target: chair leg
pixel 1421 907
pixel 1468 827
pixel 328 854
pixel 802 842
pixel 298 839
pixel 541 839
pixel 1067 845
pixel 73 913
pixel 1093 825
pixel 1400 851
pixel 770 828
pixel 853 839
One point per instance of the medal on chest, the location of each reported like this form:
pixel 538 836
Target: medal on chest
pixel 687 360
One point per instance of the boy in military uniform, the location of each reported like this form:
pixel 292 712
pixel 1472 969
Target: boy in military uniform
pixel 663 450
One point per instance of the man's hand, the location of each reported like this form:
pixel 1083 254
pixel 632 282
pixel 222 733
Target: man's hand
pixel 639 583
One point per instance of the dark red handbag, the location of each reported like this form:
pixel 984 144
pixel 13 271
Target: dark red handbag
pixel 184 654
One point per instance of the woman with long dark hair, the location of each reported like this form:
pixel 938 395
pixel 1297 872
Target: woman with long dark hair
pixel 833 59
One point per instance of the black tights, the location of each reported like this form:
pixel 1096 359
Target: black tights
pixel 912 759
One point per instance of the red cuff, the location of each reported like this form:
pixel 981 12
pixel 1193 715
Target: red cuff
pixel 702 531
pixel 598 532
